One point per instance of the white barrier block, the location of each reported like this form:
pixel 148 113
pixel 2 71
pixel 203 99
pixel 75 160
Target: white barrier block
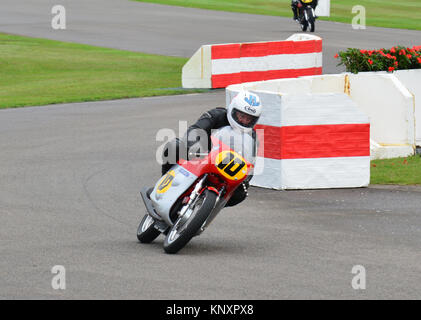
pixel 412 81
pixel 389 105
pixel 197 71
pixel 311 141
pixel 392 108
pixel 327 83
pixel 320 109
pixel 311 173
pixel 220 65
pixel 390 152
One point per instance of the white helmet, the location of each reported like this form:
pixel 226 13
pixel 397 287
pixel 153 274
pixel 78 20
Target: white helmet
pixel 244 111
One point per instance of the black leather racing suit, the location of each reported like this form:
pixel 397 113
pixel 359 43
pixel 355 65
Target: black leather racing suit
pixel 294 7
pixel 212 119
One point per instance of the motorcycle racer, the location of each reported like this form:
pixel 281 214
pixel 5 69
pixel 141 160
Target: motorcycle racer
pixel 242 115
pixel 295 6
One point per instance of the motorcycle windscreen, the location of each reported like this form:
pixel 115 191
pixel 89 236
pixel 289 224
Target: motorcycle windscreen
pixel 169 188
pixel 242 143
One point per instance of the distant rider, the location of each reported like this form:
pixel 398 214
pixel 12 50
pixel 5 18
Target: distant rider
pixel 295 6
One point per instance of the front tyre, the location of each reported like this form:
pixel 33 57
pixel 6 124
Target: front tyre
pixel 187 226
pixel 146 232
pixel 303 25
pixel 311 20
pixel 312 25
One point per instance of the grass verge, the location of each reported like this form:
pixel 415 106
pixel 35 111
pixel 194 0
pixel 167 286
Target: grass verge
pixel 381 13
pixel 404 171
pixel 40 72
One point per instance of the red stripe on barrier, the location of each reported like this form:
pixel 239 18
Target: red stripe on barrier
pixel 225 51
pixel 316 141
pixel 308 46
pixel 280 47
pixel 261 49
pixel 224 80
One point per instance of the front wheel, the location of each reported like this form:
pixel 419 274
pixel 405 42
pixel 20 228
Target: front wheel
pixel 311 19
pixel 312 25
pixel 303 25
pixel 187 226
pixel 146 232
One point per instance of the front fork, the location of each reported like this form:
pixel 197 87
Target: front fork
pixel 306 14
pixel 219 204
pixel 313 13
pixel 198 189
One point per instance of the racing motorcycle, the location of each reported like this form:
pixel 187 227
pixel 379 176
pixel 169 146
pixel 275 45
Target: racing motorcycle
pixel 307 15
pixel 189 196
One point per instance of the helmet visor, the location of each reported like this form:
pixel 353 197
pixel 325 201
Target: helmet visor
pixel 244 119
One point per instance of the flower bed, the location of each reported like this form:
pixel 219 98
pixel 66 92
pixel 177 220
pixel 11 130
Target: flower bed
pixel 396 58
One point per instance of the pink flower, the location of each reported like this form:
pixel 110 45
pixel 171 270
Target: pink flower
pixel 336 56
pixel 409 56
pixel 393 50
pixel 391 69
pixel 419 60
pixel 370 61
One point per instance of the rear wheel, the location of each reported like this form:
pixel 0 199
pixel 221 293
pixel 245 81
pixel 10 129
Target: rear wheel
pixel 187 226
pixel 146 232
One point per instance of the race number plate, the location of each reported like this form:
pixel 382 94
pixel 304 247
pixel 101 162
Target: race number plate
pixel 231 165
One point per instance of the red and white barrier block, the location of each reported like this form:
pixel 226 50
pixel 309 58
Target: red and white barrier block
pixel 311 141
pixel 220 65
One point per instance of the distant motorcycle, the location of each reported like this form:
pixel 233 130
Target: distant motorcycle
pixel 189 196
pixel 307 15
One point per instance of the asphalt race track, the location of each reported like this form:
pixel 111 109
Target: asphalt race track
pixel 70 177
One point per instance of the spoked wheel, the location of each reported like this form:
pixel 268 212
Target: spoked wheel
pixel 187 226
pixel 312 25
pixel 303 24
pixel 146 232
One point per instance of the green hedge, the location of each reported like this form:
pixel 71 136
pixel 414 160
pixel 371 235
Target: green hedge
pixel 396 58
